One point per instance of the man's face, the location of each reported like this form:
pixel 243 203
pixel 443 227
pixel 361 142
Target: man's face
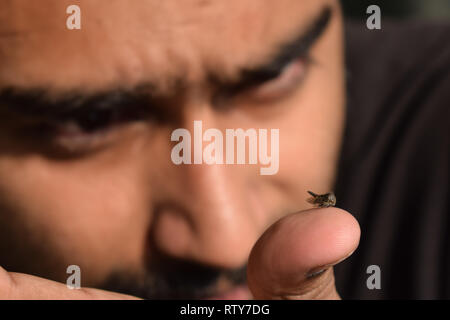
pixel 95 185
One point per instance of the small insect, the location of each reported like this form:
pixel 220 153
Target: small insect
pixel 322 200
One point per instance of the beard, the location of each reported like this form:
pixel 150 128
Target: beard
pixel 176 279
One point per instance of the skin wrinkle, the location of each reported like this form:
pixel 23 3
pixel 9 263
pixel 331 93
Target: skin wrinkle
pixel 249 77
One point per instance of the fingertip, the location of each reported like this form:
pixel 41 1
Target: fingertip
pixel 323 236
pixel 301 242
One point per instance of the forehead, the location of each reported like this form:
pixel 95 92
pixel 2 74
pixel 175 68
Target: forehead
pixel 130 42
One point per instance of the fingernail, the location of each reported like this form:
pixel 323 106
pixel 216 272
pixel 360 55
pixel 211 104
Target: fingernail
pixel 319 270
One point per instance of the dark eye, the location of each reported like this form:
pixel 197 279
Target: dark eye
pixel 89 127
pixel 90 121
pixel 95 120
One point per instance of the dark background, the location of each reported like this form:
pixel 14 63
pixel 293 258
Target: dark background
pixel 417 9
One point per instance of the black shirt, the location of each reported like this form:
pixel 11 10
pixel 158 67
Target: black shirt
pixel 394 168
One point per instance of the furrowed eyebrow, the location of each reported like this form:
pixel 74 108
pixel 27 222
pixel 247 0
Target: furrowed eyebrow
pixel 286 54
pixel 38 103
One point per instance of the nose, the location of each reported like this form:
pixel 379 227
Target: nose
pixel 209 214
pixel 208 218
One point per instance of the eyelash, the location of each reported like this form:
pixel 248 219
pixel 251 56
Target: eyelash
pixel 80 132
pixel 283 84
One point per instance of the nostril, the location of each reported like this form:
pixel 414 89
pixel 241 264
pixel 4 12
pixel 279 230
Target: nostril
pixel 172 230
pixel 206 218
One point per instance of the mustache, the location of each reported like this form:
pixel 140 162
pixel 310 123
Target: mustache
pixel 176 280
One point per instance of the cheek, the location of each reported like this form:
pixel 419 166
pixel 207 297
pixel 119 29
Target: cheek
pixel 310 154
pixel 311 131
pixel 82 214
